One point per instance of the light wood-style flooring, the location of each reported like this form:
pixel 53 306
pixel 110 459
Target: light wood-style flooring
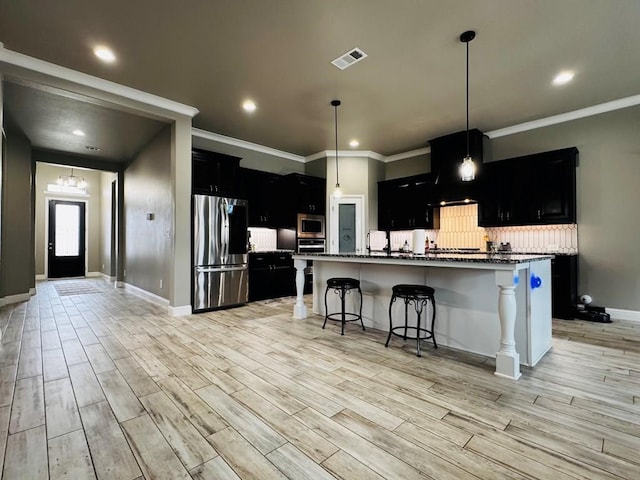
pixel 106 385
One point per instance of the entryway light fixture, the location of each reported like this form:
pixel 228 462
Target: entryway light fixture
pixel 72 181
pixel 467 167
pixel 337 193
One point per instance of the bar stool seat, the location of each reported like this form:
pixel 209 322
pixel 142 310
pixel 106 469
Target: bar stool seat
pixel 342 286
pixel 419 296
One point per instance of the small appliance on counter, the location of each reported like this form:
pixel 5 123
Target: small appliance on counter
pixel 220 269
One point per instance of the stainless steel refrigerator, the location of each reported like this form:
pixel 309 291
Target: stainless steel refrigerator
pixel 220 270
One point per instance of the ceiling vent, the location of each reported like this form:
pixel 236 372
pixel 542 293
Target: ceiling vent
pixel 349 58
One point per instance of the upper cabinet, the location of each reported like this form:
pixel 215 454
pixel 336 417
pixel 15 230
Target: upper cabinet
pixel 261 190
pixel 306 194
pixel 407 203
pixel 530 190
pixel 215 173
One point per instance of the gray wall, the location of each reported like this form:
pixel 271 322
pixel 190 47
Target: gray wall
pixel 106 248
pixel 408 167
pixel 17 273
pixel 148 190
pixel 47 173
pixel 316 168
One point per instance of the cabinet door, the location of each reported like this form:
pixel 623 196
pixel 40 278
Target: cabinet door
pixel 214 173
pixel 555 187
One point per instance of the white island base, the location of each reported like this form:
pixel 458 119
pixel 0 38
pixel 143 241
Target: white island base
pixel 500 310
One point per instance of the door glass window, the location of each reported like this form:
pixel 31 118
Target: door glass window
pixel 67 230
pixel 347 226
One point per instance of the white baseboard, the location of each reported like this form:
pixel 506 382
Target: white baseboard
pixel 620 314
pixel 9 299
pixel 150 297
pixel 120 284
pixel 93 274
pixel 179 311
pixel 41 276
pixel 156 300
pixel 32 291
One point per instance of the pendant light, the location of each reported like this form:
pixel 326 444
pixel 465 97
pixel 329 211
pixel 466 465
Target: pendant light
pixel 467 167
pixel 337 193
pixel 72 181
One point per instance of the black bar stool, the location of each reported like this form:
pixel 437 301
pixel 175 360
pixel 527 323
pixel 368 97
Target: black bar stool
pixel 342 286
pixel 418 295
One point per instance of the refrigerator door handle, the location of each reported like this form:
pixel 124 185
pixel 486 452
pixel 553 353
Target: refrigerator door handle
pixel 221 269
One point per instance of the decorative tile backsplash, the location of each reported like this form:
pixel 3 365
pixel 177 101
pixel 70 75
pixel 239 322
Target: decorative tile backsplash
pixel 459 229
pixel 264 239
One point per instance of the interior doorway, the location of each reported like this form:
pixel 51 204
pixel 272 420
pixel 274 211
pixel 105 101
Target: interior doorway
pixel 347 224
pixel 66 243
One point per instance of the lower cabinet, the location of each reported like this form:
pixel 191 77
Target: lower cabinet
pixel 564 289
pixel 271 275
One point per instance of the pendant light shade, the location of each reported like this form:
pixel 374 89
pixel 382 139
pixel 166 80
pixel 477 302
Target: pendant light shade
pixel 467 167
pixel 337 192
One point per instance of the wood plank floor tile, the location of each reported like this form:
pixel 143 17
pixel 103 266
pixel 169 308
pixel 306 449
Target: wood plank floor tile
pixel 30 363
pixel 304 438
pixel 26 456
pixel 123 401
pixel 201 415
pixel 191 447
pixel 73 352
pixel 54 364
pixel 250 426
pixel 61 409
pixel 295 464
pixel 216 468
pixel 86 336
pixel 85 384
pixel 7 384
pixel 344 466
pixel 5 413
pixel 99 359
pixel 110 452
pixel 155 456
pixel 245 460
pixel 69 457
pixel 28 405
pixel 139 381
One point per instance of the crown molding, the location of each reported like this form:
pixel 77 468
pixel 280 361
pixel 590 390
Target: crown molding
pixel 345 153
pixel 567 117
pixel 410 154
pixel 42 67
pixel 216 137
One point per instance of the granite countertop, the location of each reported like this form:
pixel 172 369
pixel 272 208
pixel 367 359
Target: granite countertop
pixel 257 252
pixel 466 257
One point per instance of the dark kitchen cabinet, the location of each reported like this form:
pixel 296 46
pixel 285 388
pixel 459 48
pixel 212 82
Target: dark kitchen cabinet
pixel 531 190
pixel 262 192
pixel 553 190
pixel 214 173
pixel 271 275
pixel 407 203
pixel 308 193
pixel 502 201
pixel 564 286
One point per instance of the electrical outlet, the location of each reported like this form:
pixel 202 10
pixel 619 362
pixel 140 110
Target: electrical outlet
pixel 160 283
pixel 125 272
pixel 103 266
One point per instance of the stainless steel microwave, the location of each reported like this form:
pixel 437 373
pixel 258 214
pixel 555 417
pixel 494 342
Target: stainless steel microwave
pixel 310 226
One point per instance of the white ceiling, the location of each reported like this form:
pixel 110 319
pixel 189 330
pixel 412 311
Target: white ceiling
pixel 411 88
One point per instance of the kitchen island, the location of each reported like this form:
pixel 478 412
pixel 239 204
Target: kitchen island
pixel 498 305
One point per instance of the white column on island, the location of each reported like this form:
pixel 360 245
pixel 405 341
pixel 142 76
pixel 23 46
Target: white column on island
pixel 299 309
pixel 507 358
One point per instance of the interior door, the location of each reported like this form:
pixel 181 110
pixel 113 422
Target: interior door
pixel 347 226
pixel 66 239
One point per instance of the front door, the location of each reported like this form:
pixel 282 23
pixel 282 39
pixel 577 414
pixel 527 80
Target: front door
pixel 66 239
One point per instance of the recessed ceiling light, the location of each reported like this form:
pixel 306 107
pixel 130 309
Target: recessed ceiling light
pixel 249 106
pixel 563 77
pixel 104 53
pixel 354 143
pixel 79 133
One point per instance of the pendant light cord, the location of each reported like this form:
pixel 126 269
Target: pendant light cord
pixel 335 110
pixel 467 99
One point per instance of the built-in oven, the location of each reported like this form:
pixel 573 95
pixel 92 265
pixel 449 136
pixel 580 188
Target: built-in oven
pixel 311 245
pixel 310 226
